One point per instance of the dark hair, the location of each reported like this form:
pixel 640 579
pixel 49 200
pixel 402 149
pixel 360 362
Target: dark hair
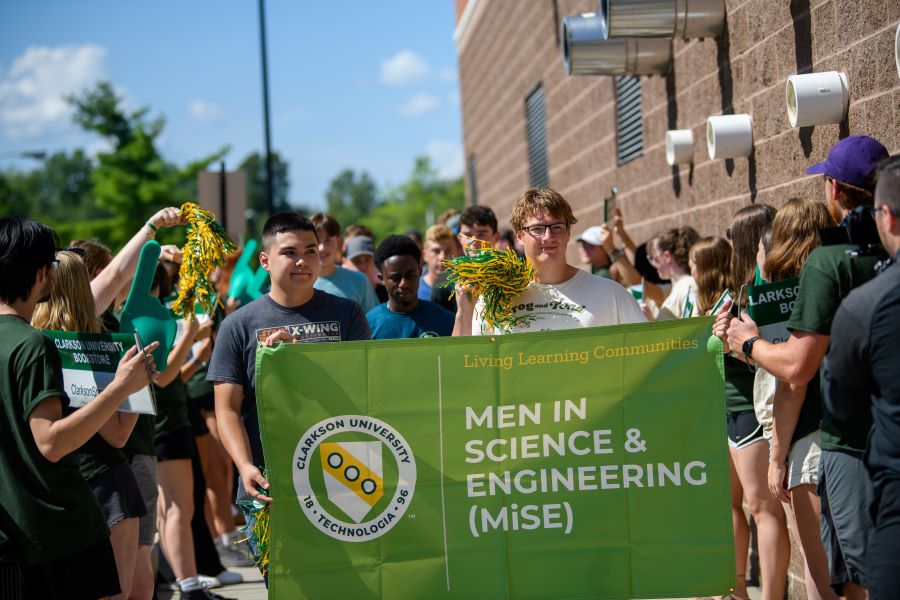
pixel 416 236
pixel 282 222
pixel 887 187
pixel 642 265
pixel 355 229
pixel 163 281
pixel 396 245
pixel 678 242
pixel 96 255
pixel 854 196
pixel 326 224
pixel 26 246
pixel 745 232
pixel 479 215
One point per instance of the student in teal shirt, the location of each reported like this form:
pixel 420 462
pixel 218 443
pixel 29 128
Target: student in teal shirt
pixel 405 315
pixel 333 278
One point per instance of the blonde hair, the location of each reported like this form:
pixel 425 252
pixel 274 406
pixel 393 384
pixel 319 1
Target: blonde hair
pixel 795 233
pixel 71 304
pixel 538 202
pixel 439 233
pixel 712 259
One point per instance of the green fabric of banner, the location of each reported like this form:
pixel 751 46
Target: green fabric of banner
pixel 585 463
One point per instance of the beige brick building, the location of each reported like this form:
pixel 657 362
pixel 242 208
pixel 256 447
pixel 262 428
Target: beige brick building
pixel 507 48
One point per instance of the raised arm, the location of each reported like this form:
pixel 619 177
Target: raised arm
pixel 120 270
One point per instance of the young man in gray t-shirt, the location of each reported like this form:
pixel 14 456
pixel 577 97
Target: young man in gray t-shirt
pixel 293 311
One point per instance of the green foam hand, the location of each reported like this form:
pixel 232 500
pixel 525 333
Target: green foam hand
pixel 245 284
pixel 145 313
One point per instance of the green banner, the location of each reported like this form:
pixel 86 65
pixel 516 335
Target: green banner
pixel 770 306
pixel 586 463
pixel 89 362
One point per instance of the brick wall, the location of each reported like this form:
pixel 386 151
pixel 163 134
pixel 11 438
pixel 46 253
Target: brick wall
pixel 509 46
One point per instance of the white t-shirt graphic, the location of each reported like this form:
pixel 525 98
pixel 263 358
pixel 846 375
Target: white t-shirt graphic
pixel 585 300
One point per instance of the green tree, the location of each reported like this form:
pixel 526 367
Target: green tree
pixel 254 167
pixel 415 203
pixel 59 193
pixel 351 196
pixel 132 181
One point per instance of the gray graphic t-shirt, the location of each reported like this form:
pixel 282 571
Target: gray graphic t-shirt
pixel 325 318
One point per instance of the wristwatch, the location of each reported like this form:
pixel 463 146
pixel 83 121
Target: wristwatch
pixel 747 347
pixel 616 255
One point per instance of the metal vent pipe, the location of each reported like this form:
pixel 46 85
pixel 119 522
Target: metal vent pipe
pixel 587 51
pixel 663 18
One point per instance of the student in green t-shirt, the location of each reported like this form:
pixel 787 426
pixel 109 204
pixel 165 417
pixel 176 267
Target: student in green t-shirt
pixel 797 409
pixel 49 519
pixel 101 461
pixel 829 274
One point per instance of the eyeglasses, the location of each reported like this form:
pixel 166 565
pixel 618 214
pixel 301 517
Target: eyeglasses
pixel 79 251
pixel 538 231
pixel 874 210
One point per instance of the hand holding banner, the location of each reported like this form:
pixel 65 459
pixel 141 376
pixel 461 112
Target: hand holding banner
pixel 583 463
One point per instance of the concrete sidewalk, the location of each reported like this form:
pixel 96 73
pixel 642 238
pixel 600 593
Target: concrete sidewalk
pixel 253 588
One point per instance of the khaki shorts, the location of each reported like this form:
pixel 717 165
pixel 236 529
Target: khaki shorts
pixel 803 460
pixel 763 397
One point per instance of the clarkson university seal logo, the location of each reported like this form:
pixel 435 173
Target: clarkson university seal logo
pixel 354 476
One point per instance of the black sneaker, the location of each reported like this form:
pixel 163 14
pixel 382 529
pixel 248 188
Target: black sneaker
pixel 202 594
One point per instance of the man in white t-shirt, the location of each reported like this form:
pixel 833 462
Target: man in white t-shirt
pixel 560 296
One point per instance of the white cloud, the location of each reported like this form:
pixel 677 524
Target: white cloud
pixel 32 90
pixel 96 146
pixel 448 74
pixel 418 105
pixel 404 68
pixel 446 157
pixel 205 112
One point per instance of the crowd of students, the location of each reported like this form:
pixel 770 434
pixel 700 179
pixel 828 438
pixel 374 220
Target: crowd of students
pixel 813 420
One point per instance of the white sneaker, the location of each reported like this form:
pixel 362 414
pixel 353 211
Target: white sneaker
pixel 209 582
pixel 229 577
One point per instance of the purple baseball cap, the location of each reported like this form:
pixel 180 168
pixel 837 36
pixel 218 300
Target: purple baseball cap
pixel 852 161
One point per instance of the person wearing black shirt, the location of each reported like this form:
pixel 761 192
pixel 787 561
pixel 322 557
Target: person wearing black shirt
pixel 862 385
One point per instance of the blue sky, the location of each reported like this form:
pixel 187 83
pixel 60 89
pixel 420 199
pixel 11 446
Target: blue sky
pixel 364 85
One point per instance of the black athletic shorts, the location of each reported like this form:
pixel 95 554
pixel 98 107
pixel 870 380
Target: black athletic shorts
pixel 206 403
pixel 86 575
pixel 743 429
pixel 177 445
pixel 118 494
pixel 198 423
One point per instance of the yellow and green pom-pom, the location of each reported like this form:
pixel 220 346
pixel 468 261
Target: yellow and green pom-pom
pixel 206 247
pixel 257 534
pixel 498 276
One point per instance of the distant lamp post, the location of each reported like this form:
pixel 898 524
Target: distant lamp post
pixel 270 196
pixel 34 154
